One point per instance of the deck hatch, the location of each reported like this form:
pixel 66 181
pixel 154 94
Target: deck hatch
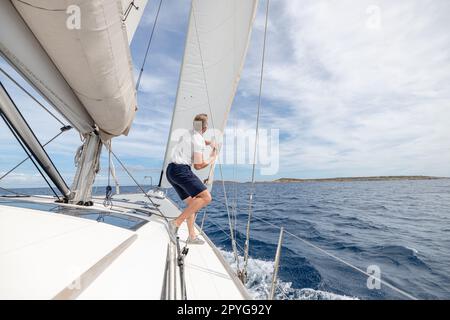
pixel 112 218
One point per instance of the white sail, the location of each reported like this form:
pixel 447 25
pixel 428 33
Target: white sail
pixel 216 45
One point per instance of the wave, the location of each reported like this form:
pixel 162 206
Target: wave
pixel 339 245
pixel 260 273
pixel 355 222
pixel 414 250
pixel 400 256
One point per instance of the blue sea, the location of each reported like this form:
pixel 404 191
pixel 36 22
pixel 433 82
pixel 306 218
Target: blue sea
pixel 402 228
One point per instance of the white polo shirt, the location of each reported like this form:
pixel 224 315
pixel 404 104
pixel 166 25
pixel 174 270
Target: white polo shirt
pixel 190 142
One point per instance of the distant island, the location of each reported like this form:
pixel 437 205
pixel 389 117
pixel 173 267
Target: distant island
pixel 346 179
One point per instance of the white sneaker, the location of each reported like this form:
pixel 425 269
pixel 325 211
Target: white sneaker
pixel 196 240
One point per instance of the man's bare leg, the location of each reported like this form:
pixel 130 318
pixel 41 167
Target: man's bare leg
pixel 188 200
pixel 194 205
pixel 190 220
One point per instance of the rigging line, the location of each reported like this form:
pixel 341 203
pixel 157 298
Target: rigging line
pixel 334 257
pixel 342 261
pixel 20 194
pixel 203 219
pixel 37 140
pixel 26 151
pixel 128 10
pixel 107 202
pixel 140 187
pixel 13 192
pixel 212 122
pixel 45 144
pixel 31 96
pixel 178 254
pixel 234 192
pixel 138 82
pixel 109 164
pixel 240 247
pixel 252 187
pixel 235 174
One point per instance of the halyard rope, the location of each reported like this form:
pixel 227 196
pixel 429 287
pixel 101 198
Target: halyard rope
pixel 138 82
pixel 252 188
pixel 31 96
pixel 387 284
pixel 233 241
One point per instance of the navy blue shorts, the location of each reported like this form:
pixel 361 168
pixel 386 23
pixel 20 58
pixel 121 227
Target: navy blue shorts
pixel 184 181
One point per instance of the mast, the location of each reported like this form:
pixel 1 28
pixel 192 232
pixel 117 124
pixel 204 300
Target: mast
pixel 23 131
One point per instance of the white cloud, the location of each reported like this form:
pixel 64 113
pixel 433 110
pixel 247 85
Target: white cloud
pixel 21 180
pixel 152 83
pixel 353 99
pixel 348 99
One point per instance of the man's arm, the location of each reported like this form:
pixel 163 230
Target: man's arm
pixel 200 163
pixel 210 143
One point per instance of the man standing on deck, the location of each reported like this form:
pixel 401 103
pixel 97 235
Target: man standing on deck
pixel 189 152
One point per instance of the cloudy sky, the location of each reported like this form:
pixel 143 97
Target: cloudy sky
pixel 355 87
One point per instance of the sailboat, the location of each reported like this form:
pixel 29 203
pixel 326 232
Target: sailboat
pixel 76 246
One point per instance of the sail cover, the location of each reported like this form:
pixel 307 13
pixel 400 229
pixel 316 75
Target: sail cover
pixel 23 51
pixel 93 56
pixel 216 45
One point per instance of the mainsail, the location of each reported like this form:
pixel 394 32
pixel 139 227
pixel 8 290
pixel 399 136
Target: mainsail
pixel 23 51
pixel 93 56
pixel 83 69
pixel 216 44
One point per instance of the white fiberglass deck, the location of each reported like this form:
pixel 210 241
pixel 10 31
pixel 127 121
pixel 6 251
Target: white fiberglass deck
pixel 208 275
pixel 44 255
pixel 41 253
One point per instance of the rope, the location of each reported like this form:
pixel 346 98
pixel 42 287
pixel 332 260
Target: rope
pixel 31 96
pixel 409 296
pixel 233 241
pixel 27 153
pixel 252 189
pixel 138 82
pixel 23 146
pixel 109 164
pixel 14 192
pixel 180 255
pixel 341 260
pixel 253 178
pixel 128 10
pixel 20 194
pixel 156 206
pixel 235 200
pixel 256 263
pixel 326 253
pixel 203 219
pixel 108 197
pixel 63 129
pixel 108 192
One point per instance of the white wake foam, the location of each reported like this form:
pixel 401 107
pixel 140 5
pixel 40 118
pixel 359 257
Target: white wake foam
pixel 260 273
